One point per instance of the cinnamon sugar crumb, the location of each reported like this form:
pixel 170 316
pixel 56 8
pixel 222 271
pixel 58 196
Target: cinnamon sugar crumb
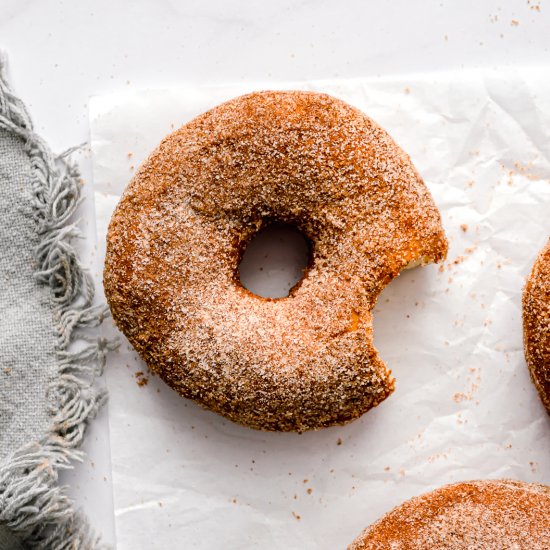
pixel 142 380
pixel 458 397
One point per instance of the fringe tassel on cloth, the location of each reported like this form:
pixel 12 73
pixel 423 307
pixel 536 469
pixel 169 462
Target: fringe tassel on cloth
pixel 32 505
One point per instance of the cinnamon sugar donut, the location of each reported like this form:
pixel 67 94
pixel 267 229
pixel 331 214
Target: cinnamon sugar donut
pixel 536 324
pixel 480 515
pixel 176 238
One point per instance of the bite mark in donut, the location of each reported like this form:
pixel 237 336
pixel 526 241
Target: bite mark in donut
pixel 175 240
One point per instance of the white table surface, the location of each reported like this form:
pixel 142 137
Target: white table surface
pixel 62 52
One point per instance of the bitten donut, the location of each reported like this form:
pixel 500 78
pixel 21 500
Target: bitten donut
pixel 176 238
pixel 485 515
pixel 536 324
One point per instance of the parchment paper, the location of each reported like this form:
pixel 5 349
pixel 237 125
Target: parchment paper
pixel 464 406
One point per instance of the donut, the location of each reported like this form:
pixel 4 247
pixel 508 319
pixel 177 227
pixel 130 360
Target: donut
pixel 176 238
pixel 536 324
pixel 485 515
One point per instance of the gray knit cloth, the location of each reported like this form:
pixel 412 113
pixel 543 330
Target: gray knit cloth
pixel 48 365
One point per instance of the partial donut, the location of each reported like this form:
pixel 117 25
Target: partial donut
pixel 176 238
pixel 536 324
pixel 480 515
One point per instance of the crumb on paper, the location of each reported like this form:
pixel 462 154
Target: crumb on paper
pixel 306 480
pixel 437 456
pixel 464 227
pixel 514 22
pixel 297 516
pixel 526 170
pixel 407 90
pixel 459 396
pixel 387 469
pixel 142 380
pixel 130 155
pixel 474 381
pixel 458 260
pixel 309 491
pixel 415 439
pixel 460 420
pixel 339 441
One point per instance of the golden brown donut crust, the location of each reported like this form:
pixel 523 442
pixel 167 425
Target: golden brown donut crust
pixel 481 515
pixel 536 324
pixel 175 239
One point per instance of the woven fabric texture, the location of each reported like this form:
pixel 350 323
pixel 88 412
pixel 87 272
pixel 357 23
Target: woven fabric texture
pixel 50 356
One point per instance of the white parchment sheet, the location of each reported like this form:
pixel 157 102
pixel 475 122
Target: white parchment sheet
pixel 464 406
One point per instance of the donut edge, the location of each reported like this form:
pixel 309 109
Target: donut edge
pixel 399 513
pixel 536 336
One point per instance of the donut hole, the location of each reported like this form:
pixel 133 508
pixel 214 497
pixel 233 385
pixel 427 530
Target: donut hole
pixel 274 261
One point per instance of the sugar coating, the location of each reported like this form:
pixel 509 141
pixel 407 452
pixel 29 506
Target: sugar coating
pixel 175 240
pixel 536 324
pixel 481 515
